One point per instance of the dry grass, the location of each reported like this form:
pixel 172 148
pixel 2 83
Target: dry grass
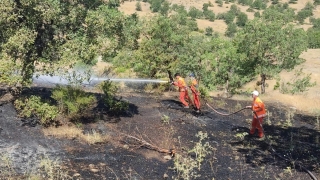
pixel 72 132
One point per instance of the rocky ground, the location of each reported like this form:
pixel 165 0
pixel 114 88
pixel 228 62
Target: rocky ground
pixel 290 149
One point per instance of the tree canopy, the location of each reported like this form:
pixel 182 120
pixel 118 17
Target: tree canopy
pixel 48 37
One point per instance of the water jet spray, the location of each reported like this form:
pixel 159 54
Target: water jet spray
pixel 47 79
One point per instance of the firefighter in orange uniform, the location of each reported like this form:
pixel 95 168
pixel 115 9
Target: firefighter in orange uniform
pixel 259 112
pixel 195 92
pixel 182 89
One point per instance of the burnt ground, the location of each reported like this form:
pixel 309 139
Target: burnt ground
pixel 290 148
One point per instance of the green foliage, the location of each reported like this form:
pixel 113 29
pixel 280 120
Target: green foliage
pixel 231 30
pixel 138 6
pixel 201 148
pixel 229 17
pixel 293 1
pixel 204 93
pixel 55 35
pixel 298 84
pixel 315 22
pixel 313 38
pixel 279 12
pixel 34 106
pixel 165 7
pixel 115 106
pixel 234 9
pixel 216 62
pixel 113 3
pixel 72 101
pixel 161 45
pixel 205 7
pixel 219 2
pixel 209 31
pixel 245 2
pixel 242 19
pixel 270 46
pixel 195 13
pixel 155 5
pixel 307 11
pixel 186 165
pixel 316 2
pixel 209 15
pixel 258 4
pixel 257 14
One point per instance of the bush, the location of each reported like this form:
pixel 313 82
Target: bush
pixel 138 6
pixel 115 106
pixel 234 9
pixel 303 14
pixel 210 15
pixel 242 19
pixel 205 7
pixel 164 8
pixel 298 84
pixel 229 17
pixel 155 5
pixel 195 13
pixel 72 101
pixel 245 2
pixel 34 107
pixel 313 38
pixel 231 30
pixel 257 14
pixel 219 2
pixel 259 4
pixel 209 31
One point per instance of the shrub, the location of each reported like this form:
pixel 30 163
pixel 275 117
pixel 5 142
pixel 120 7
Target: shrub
pixel 72 101
pixel 205 7
pixel 186 165
pixel 155 5
pixel 209 31
pixel 210 15
pixel 298 84
pixel 138 6
pixel 195 13
pixel 219 2
pixel 245 2
pixel 229 17
pixel 257 14
pixel 234 9
pixel 164 8
pixel 242 19
pixel 313 38
pixel 231 30
pixel 34 107
pixel 259 4
pixel 115 106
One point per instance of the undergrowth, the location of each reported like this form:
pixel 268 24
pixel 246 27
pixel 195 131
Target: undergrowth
pixel 33 106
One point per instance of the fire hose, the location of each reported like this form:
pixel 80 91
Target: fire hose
pixel 272 150
pixel 223 114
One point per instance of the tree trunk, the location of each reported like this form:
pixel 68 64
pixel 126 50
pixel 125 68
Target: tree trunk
pixel 170 75
pixel 263 83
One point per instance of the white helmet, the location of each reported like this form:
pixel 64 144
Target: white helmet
pixel 256 93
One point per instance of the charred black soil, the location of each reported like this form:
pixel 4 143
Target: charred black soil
pixel 291 145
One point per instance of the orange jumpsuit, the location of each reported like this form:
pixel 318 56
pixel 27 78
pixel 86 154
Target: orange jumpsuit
pixel 257 120
pixel 195 93
pixel 183 91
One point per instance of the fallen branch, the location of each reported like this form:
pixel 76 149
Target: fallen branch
pixel 147 145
